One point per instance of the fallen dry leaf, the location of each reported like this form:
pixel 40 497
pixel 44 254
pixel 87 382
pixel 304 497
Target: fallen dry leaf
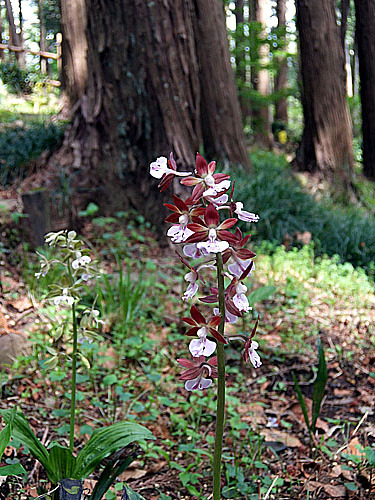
pixel 287 439
pixel 335 491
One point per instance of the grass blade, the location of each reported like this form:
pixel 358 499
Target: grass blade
pixel 319 386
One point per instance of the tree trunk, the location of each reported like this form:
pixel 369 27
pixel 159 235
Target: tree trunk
pixel 220 110
pixel 42 38
pixel 326 147
pixel 365 35
pixel 22 56
pixel 144 96
pixel 74 50
pixel 13 35
pixel 259 12
pixel 281 80
pixel 2 55
pixel 241 62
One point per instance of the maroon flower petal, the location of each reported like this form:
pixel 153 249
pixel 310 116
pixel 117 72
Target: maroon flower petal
pixel 217 336
pixel 180 204
pixel 165 182
pixel 189 321
pixel 226 236
pixel 172 218
pixel 197 192
pixel 196 237
pixel 211 216
pixel 190 374
pixel 211 167
pixel 220 177
pixel 190 181
pixel 215 321
pixel 228 223
pixel 201 166
pixel 246 271
pixel 197 316
pixel 210 299
pixel 197 228
pixel 187 363
pixel 244 254
pixel 192 331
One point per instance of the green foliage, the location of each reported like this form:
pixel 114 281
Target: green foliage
pixel 16 79
pixel 59 463
pixel 19 145
pixel 318 394
pixel 287 210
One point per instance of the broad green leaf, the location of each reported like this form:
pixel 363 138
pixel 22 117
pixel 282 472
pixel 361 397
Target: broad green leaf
pixel 106 441
pixel 301 402
pixel 23 433
pixel 12 470
pixel 319 386
pixel 132 495
pixel 5 435
pixel 261 293
pixel 110 473
pixel 62 463
pixel 370 455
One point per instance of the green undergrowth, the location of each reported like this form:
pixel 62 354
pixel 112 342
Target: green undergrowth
pixel 286 211
pixel 22 142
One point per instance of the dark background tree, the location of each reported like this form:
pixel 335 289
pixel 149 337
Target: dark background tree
pixel 365 36
pixel 151 88
pixel 326 146
pixel 281 80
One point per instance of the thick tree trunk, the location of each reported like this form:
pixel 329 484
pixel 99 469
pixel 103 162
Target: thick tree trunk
pixel 365 35
pixel 259 12
pixel 281 80
pixel 144 94
pixel 221 113
pixel 326 146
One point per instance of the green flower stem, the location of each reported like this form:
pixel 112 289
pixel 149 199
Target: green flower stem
pixel 74 371
pixel 220 385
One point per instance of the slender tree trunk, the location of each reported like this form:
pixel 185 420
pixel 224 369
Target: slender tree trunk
pixel 326 146
pixel 281 80
pixel 148 90
pixel 13 35
pixel 42 38
pixel 2 55
pixel 221 114
pixel 22 59
pixel 259 12
pixel 241 62
pixel 365 34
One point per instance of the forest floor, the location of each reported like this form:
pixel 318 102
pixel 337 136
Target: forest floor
pixel 267 452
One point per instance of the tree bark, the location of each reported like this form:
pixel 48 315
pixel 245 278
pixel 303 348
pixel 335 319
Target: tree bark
pixel 281 80
pixel 2 55
pixel 220 110
pixel 144 96
pixel 261 80
pixel 74 50
pixel 326 147
pixel 14 38
pixel 42 38
pixel 241 62
pixel 365 35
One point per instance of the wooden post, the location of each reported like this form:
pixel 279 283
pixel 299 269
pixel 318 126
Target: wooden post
pixel 59 53
pixel 36 206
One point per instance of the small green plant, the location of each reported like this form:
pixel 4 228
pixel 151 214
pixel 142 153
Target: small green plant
pixel 318 394
pixel 59 462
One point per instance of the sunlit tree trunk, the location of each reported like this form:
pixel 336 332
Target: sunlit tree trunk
pixel 259 11
pixel 281 80
pixel 14 38
pixel 326 146
pixel 365 34
pixel 144 90
pixel 42 37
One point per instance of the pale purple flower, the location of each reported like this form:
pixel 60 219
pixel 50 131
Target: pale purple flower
pixel 215 189
pixel 212 245
pixel 202 346
pixel 191 277
pixel 80 261
pixel 192 251
pixel 240 299
pixel 178 233
pixel 251 354
pixel 160 167
pixel 196 372
pixel 220 200
pixel 238 267
pixel 244 215
pixel 229 317
pixel 63 298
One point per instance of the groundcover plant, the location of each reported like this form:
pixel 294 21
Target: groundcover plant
pixel 208 248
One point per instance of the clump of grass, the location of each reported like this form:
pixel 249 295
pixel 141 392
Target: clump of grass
pixel 21 144
pixel 286 210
